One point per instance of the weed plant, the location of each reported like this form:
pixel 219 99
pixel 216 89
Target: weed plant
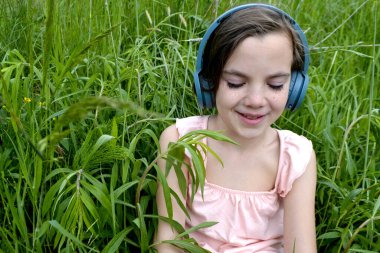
pixel 86 88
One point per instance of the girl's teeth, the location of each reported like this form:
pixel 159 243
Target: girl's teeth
pixel 250 117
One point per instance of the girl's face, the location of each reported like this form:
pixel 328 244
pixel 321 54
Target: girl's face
pixel 254 85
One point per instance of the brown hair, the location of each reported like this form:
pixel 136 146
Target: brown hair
pixel 256 21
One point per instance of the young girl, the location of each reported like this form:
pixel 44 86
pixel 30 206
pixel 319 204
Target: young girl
pixel 252 65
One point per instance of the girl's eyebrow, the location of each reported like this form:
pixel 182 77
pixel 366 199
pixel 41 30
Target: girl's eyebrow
pixel 240 74
pixel 234 73
pixel 280 74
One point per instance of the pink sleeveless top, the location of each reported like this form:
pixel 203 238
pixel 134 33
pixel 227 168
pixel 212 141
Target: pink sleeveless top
pixel 247 221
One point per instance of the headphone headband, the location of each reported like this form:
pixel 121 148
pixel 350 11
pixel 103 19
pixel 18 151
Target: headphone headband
pixel 299 79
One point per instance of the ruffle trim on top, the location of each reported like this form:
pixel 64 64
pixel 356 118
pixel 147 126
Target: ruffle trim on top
pixel 296 152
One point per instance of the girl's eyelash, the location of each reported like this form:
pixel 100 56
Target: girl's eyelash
pixel 238 85
pixel 234 85
pixel 276 87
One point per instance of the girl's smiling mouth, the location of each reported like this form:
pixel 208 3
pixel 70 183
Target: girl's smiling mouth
pixel 251 119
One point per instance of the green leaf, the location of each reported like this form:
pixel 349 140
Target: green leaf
pixel 56 172
pixel 197 227
pixel 173 223
pixel 114 131
pixel 133 143
pixel 182 178
pixel 105 138
pixel 67 234
pixel 166 191
pixel 42 230
pixel 179 202
pixel 123 188
pixel 7 244
pixel 144 240
pixel 362 251
pixel 376 207
pixel 206 149
pixel 330 235
pixel 51 140
pixel 200 134
pixel 333 186
pixel 114 176
pixel 114 244
pixel 175 156
pixel 95 182
pixel 99 195
pixel 37 178
pixel 187 244
pixel 101 141
pixel 198 165
pixel 89 204
pixel 50 197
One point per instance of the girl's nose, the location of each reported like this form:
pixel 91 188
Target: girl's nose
pixel 254 97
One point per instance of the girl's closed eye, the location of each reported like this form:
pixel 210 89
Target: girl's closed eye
pixel 233 78
pixel 234 85
pixel 278 82
pixel 277 86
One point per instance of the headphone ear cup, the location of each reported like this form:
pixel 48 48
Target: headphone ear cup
pixel 297 90
pixel 198 89
pixel 203 91
pixel 208 94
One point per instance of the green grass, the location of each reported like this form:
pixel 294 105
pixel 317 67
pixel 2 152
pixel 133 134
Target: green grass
pixel 86 89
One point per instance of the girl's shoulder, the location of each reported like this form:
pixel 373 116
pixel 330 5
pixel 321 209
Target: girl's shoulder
pixel 288 137
pixel 296 153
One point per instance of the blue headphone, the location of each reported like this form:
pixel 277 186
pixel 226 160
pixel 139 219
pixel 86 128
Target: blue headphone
pixel 299 79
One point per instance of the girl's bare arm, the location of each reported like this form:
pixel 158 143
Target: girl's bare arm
pixel 165 232
pixel 299 217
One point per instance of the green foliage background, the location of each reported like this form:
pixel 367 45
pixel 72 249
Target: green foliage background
pixel 86 88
